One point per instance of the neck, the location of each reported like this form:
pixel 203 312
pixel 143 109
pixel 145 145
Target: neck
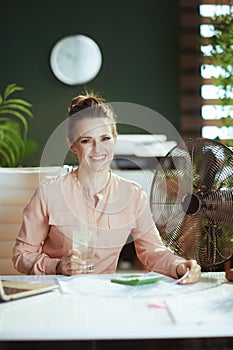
pixel 94 181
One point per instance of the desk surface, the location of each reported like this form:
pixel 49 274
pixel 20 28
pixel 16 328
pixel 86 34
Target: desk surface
pixel 90 307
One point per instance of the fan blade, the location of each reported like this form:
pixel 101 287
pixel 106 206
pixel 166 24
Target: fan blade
pixel 166 197
pixel 180 232
pixel 205 167
pixel 218 206
pixel 170 215
pixel 189 237
pixel 216 246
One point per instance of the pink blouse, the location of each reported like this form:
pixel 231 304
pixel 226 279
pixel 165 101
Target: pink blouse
pixel 60 204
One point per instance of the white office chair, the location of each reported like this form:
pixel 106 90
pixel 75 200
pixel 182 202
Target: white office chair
pixel 16 188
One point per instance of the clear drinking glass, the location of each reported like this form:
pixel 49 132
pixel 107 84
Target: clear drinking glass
pixel 84 242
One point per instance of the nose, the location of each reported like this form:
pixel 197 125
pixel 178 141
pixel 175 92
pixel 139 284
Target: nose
pixel 96 146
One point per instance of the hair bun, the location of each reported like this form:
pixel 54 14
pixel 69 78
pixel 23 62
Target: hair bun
pixel 88 102
pixel 82 102
pixel 89 105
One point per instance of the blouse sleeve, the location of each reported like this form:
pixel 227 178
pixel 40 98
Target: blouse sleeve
pixel 149 246
pixel 28 257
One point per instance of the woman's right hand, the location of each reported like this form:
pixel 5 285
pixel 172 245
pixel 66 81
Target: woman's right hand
pixel 70 264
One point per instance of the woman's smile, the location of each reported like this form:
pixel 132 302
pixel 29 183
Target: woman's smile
pixel 98 158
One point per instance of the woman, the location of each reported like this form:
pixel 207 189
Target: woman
pixel 92 194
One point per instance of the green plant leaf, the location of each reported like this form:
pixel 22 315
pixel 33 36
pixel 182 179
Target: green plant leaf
pixel 17 100
pixel 7 120
pixel 11 156
pixel 14 116
pixel 5 159
pixel 13 137
pixel 229 143
pixel 10 89
pixel 19 107
pixel 14 147
pixel 30 147
pixel 227 121
pixel 19 116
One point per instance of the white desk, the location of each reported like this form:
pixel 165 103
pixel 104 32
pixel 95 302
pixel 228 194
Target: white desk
pixel 93 308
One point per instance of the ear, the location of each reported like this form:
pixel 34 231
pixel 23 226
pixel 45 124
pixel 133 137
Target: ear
pixel 71 146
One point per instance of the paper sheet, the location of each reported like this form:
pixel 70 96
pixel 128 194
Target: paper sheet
pixel 100 285
pixel 203 309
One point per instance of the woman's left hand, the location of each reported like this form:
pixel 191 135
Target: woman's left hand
pixel 194 271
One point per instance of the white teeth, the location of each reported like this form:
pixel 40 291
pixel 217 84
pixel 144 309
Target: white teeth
pixel 98 158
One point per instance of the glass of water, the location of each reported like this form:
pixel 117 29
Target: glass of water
pixel 84 243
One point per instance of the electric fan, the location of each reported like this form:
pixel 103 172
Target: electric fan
pixel 191 200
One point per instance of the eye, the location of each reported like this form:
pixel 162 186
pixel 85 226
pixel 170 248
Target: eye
pixel 106 138
pixel 84 141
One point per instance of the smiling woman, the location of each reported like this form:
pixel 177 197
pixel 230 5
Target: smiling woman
pixel 92 138
pixel 91 201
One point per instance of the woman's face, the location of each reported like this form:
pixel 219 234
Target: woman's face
pixel 95 143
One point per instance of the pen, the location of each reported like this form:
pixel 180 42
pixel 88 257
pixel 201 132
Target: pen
pixel 183 277
pixel 173 320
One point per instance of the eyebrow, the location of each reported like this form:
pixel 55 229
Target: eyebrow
pixel 90 137
pixel 84 137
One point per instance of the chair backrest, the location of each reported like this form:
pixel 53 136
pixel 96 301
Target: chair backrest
pixel 16 188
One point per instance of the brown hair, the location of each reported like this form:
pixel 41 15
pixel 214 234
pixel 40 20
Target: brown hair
pixel 89 105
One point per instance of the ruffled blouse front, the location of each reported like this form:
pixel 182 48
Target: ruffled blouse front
pixel 61 205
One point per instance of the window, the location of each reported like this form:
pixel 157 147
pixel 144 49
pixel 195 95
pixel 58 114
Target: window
pixel 200 111
pixel 211 111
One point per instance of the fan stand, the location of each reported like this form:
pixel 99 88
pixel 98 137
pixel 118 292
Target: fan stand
pixel 211 243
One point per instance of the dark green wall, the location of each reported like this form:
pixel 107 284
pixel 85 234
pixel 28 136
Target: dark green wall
pixel 138 40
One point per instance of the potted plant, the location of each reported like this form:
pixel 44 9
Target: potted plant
pixel 221 55
pixel 14 122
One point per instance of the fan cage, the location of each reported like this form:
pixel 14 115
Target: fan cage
pixel 192 201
